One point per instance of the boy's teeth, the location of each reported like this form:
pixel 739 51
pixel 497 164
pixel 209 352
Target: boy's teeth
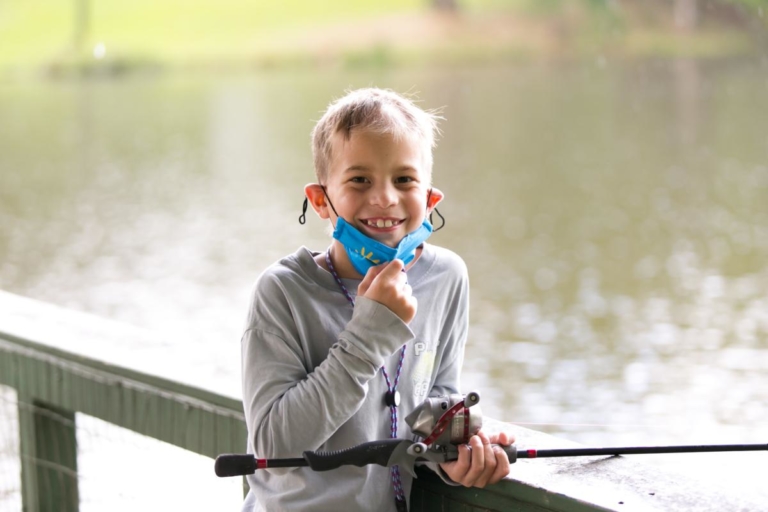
pixel 387 223
pixel 379 223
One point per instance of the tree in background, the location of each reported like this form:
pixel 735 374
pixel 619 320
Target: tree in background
pixel 445 5
pixel 81 30
pixel 686 14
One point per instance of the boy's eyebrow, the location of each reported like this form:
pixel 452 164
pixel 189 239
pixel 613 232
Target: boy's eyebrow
pixel 357 168
pixel 365 168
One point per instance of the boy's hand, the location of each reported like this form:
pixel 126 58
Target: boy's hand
pixel 387 284
pixel 479 463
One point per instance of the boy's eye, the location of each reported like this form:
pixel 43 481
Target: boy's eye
pixel 404 179
pixel 358 179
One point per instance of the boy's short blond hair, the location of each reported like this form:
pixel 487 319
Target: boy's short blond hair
pixel 380 111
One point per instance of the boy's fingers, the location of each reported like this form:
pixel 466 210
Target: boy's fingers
pixel 489 463
pixel 463 464
pixel 390 271
pixel 388 276
pixel 506 439
pixel 372 273
pixel 388 285
pixel 477 463
pixel 480 462
pixel 502 465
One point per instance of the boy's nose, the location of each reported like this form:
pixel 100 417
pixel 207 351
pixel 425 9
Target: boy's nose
pixel 384 196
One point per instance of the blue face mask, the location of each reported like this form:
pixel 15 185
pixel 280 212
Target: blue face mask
pixel 364 252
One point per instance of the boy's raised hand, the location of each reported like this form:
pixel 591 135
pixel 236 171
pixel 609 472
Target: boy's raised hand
pixel 388 285
pixel 480 463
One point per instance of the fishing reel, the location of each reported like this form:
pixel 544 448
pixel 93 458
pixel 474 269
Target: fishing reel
pixel 444 423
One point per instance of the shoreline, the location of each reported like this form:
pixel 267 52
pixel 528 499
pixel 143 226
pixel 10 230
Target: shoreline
pixel 410 39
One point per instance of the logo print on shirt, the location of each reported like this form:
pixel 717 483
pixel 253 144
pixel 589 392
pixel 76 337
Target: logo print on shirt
pixel 421 374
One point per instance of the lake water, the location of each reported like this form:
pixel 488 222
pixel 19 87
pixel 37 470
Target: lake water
pixel 613 216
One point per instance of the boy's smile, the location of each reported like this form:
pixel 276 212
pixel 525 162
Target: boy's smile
pixel 384 224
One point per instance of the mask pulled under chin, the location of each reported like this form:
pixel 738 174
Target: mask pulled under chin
pixel 364 252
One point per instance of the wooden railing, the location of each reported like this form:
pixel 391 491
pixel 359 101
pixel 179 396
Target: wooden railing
pixel 61 362
pixel 52 384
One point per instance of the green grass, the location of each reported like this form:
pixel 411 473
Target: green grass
pixel 37 32
pixel 40 34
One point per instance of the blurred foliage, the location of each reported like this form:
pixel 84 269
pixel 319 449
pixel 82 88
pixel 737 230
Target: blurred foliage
pixel 755 4
pixel 113 34
pixel 549 5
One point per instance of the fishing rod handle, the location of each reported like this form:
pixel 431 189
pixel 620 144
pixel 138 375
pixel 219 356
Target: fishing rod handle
pixel 231 464
pixel 511 452
pixel 374 452
pixel 234 465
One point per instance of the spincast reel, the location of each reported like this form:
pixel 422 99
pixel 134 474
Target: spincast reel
pixel 444 423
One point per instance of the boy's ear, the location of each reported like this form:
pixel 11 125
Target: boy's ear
pixel 317 199
pixel 434 196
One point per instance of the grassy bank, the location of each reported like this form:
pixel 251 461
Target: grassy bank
pixel 50 37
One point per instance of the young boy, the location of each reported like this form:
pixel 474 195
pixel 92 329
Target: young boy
pixel 341 345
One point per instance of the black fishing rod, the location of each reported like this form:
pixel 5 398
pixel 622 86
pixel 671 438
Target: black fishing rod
pixel 444 423
pixel 390 452
pixel 639 450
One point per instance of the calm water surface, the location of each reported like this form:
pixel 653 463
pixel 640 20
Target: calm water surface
pixel 614 219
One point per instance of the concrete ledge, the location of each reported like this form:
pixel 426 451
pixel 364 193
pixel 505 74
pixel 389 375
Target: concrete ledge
pixel 58 330
pixel 600 483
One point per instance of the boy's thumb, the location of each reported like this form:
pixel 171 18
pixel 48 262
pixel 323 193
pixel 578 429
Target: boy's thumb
pixel 391 269
pixel 369 277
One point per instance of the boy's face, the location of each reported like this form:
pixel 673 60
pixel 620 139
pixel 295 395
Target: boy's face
pixel 378 184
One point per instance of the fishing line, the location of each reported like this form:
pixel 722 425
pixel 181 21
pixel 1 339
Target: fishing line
pixel 602 425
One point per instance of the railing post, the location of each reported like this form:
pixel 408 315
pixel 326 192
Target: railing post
pixel 48 457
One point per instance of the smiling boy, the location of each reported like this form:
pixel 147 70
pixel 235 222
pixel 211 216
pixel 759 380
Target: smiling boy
pixel 341 345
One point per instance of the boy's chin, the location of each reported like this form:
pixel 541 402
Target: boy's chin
pixel 391 239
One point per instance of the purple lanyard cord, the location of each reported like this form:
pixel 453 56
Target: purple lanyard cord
pixel 392 398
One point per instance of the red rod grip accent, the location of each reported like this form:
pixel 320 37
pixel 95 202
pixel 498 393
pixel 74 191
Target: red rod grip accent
pixel 532 454
pixel 262 463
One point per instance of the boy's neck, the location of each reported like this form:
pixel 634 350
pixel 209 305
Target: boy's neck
pixel 341 262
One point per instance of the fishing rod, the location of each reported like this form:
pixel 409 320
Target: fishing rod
pixel 443 423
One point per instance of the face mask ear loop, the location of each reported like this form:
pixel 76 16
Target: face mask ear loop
pixel 303 216
pixel 442 224
pixel 329 200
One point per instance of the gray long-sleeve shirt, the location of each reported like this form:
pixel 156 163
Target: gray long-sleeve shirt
pixel 312 377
